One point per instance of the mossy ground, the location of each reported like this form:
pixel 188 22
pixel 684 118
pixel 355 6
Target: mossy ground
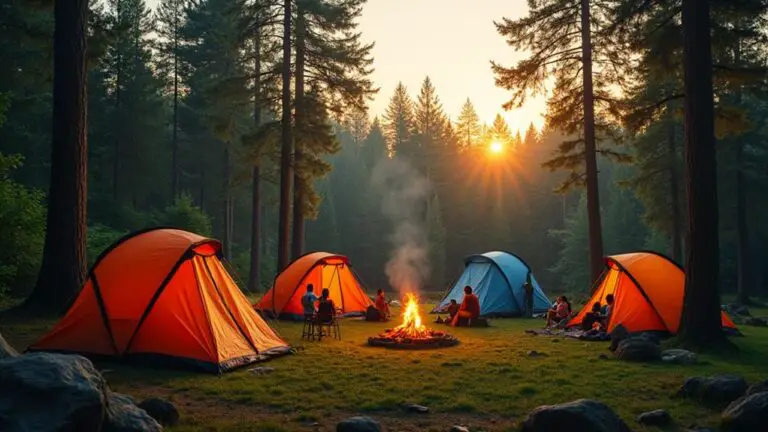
pixel 488 382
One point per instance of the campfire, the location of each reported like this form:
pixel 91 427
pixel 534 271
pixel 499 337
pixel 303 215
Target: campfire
pixel 412 334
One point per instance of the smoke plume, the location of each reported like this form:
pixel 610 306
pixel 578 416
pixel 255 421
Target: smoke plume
pixel 405 193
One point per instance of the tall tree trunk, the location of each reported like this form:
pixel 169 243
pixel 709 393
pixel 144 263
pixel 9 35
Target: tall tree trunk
pixel 300 113
pixel 674 192
pixel 254 276
pixel 225 205
pixel 700 324
pixel 590 148
pixel 63 268
pixel 742 229
pixel 175 141
pixel 284 222
pixel 118 104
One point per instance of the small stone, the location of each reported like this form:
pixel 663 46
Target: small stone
pixel 419 409
pixel 679 356
pixel 746 414
pixel 719 390
pixel 534 353
pixel 555 340
pixel 459 429
pixel 124 416
pixel 603 357
pixel 358 424
pixel 161 410
pixel 262 370
pixel 658 417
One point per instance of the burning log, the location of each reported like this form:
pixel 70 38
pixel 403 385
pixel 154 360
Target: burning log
pixel 412 334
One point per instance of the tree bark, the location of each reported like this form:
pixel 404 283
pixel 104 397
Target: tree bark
pixel 284 223
pixel 674 193
pixel 700 324
pixel 300 113
pixel 117 128
pixel 175 141
pixel 254 275
pixel 590 149
pixel 63 268
pixel 742 229
pixel 226 205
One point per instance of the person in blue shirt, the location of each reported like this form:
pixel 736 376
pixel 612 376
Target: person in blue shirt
pixel 308 301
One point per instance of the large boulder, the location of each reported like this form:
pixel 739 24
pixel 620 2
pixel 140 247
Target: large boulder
pixel 51 392
pixel 746 414
pixel 618 334
pixel 161 410
pixel 714 391
pixel 678 356
pixel 124 416
pixel 657 417
pixel 358 424
pixel 582 415
pixel 638 350
pixel 6 350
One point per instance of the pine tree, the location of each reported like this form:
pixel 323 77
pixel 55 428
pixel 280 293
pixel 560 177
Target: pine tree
pixel 500 131
pixel 566 39
pixel 170 21
pixel 468 128
pixel 286 146
pixel 63 268
pixel 399 121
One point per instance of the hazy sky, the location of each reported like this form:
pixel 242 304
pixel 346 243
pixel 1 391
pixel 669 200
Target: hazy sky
pixel 453 42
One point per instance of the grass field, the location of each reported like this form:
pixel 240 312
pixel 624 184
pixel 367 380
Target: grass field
pixel 487 382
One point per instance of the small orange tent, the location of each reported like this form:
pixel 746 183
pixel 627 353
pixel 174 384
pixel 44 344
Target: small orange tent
pixel 648 291
pixel 322 270
pixel 164 296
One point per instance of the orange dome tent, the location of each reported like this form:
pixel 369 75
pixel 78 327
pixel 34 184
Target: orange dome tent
pixel 164 296
pixel 322 270
pixel 648 293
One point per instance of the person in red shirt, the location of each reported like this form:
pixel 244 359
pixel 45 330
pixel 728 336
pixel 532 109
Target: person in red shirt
pixel 560 312
pixel 469 309
pixel 381 305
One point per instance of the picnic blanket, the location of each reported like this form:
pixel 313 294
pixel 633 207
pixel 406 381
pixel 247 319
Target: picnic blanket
pixel 585 335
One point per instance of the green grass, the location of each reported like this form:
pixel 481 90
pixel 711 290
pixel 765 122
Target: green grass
pixel 487 382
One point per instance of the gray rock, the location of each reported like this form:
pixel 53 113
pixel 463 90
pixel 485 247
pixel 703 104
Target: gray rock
pixel 714 391
pixel 638 350
pixel 358 424
pixel 534 353
pixel 6 350
pixel 603 357
pixel 124 416
pixel 579 415
pixel 658 417
pixel 679 356
pixel 419 409
pixel 161 410
pixel 459 429
pixel 746 414
pixel 758 387
pixel 261 370
pixel 51 392
pixel 618 334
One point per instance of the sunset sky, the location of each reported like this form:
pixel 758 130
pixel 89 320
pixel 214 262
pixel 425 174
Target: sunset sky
pixel 453 42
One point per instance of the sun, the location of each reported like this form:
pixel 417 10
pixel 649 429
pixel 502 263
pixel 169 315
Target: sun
pixel 496 147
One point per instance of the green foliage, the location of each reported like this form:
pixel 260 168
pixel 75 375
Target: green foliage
pixel 22 228
pixel 468 128
pixel 437 248
pixel 100 237
pixel 398 120
pixel 573 263
pixel 184 214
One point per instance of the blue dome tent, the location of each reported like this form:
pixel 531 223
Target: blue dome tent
pixel 497 278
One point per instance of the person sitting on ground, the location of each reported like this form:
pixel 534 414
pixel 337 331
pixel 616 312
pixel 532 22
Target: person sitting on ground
pixel 607 310
pixel 453 309
pixel 326 310
pixel 382 305
pixel 592 318
pixel 559 312
pixel 308 301
pixel 469 309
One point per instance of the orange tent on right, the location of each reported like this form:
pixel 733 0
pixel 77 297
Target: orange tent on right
pixel 648 290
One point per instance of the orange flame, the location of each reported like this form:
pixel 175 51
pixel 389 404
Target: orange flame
pixel 412 326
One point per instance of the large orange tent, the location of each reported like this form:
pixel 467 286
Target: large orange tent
pixel 322 270
pixel 648 291
pixel 164 296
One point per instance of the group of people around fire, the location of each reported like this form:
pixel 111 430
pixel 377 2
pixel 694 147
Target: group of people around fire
pixel 323 309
